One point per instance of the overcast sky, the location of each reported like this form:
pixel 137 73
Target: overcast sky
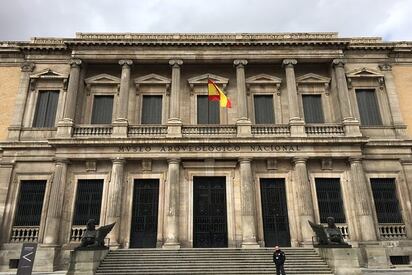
pixel 23 19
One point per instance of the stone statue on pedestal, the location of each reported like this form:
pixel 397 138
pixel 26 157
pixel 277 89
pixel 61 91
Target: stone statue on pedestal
pixel 93 238
pixel 329 235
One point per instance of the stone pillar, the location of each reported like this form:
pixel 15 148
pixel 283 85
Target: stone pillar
pixel 248 205
pixel 6 171
pixel 363 201
pixel 244 126
pixel 115 200
pixel 398 123
pixel 120 124
pixel 174 122
pixel 351 125
pixel 65 127
pixel 21 98
pixel 304 203
pixel 172 218
pixel 55 208
pixel 297 125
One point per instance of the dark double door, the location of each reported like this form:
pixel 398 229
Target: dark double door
pixel 209 213
pixel 143 233
pixel 274 212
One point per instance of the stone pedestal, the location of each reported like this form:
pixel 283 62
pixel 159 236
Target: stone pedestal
pixel 343 261
pixel 85 262
pixel 244 128
pixel 47 258
pixel 120 128
pixel 174 128
pixel 373 255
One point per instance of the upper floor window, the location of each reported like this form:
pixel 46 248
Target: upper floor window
pixel 264 113
pixel 102 109
pixel 30 203
pixel 368 107
pixel 207 111
pixel 152 109
pixel 386 202
pixel 312 109
pixel 46 109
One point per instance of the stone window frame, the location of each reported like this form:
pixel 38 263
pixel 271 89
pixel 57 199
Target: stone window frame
pixel 198 86
pixel 366 78
pixel 126 221
pixel 100 85
pixel 74 178
pixel 45 80
pixel 48 177
pixel 314 84
pixel 258 85
pixel 290 200
pixel 162 84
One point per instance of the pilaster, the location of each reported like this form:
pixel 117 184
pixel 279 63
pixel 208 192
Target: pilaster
pixel 174 122
pixel 6 172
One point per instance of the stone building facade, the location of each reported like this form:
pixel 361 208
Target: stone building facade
pixel 117 127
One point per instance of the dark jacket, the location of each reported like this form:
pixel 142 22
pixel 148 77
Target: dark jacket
pixel 279 257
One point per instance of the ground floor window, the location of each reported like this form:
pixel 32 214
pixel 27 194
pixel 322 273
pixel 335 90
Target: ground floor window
pixel 30 203
pixel 329 199
pixel 386 202
pixel 88 201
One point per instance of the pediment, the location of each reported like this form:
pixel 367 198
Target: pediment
pixel 49 73
pixel 263 79
pixel 102 79
pixel 152 79
pixel 312 78
pixel 202 79
pixel 364 72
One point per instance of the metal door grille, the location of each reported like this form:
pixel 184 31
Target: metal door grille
pixel 329 199
pixel 386 202
pixel 88 201
pixel 30 203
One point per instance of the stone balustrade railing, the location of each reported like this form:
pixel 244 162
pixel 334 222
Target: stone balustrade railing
pixel 209 130
pixel 147 130
pixel 324 130
pixel 270 130
pixel 92 130
pixel 392 231
pixel 77 232
pixel 22 234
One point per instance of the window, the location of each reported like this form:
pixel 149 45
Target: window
pixel 386 202
pixel 152 109
pixel 207 111
pixel 368 107
pixel 46 109
pixel 264 109
pixel 329 199
pixel 88 201
pixel 102 109
pixel 312 108
pixel 30 203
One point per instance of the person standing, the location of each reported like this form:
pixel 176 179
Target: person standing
pixel 279 259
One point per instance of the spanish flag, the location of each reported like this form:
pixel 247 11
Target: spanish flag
pixel 215 94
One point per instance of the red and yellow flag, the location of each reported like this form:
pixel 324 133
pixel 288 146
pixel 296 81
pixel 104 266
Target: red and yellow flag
pixel 215 94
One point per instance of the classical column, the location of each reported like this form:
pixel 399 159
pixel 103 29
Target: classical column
pixel 115 199
pixel 363 201
pixel 65 127
pixel 297 125
pixel 394 106
pixel 351 124
pixel 304 203
pixel 172 218
pixel 55 207
pixel 248 205
pixel 243 123
pixel 174 122
pixel 120 124
pixel 21 98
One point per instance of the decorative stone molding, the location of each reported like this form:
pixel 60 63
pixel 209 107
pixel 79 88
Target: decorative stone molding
pixel 27 67
pixel 264 79
pixel 313 79
pixel 365 73
pixel 175 62
pixel 271 164
pixel 289 62
pixel 153 79
pixel 202 80
pixel 147 165
pixel 101 79
pixel 327 164
pixel 48 74
pixel 91 166
pixel 240 62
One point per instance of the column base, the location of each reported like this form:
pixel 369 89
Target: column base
pixel 120 128
pixel 250 245
pixel 297 128
pixel 244 127
pixel 65 128
pixel 174 128
pixel 351 127
pixel 171 246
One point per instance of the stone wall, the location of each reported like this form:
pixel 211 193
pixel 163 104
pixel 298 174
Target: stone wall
pixel 9 82
pixel 403 81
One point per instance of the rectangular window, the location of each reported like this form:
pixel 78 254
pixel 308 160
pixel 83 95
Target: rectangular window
pixel 88 201
pixel 152 109
pixel 264 109
pixel 312 108
pixel 386 202
pixel 368 107
pixel 46 109
pixel 207 111
pixel 102 109
pixel 329 199
pixel 30 203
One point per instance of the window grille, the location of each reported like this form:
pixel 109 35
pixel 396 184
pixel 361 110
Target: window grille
pixel 30 203
pixel 88 201
pixel 329 197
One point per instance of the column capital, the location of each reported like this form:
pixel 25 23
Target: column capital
pixel 175 63
pixel 385 67
pixel 289 62
pixel 61 161
pixel 75 62
pixel 27 66
pixel 355 159
pixel 240 63
pixel 339 62
pixel 245 160
pixel 125 62
pixel 296 160
pixel 173 161
pixel 118 160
